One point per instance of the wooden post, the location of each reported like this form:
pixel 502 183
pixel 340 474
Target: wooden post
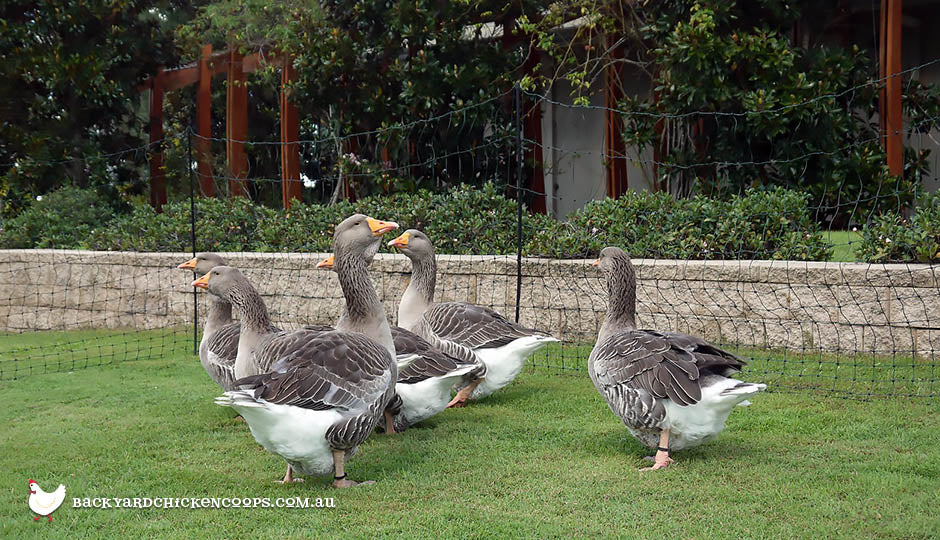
pixel 531 126
pixel 882 40
pixel 204 124
pixel 157 168
pixel 892 122
pixel 614 148
pixel 236 124
pixel 291 186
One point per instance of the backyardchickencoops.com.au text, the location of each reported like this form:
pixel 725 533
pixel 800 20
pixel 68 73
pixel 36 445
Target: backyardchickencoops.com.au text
pixel 203 502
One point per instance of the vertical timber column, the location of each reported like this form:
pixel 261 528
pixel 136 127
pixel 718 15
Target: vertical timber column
pixel 531 123
pixel 615 150
pixel 236 124
pixel 893 120
pixel 204 124
pixel 157 168
pixel 290 134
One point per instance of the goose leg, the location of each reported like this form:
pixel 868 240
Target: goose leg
pixel 289 477
pixel 661 459
pixel 339 474
pixel 389 423
pixel 463 396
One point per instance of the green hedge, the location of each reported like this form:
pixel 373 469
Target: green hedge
pixel 773 224
pixel 464 220
pixel 760 224
pixel 897 239
pixel 59 219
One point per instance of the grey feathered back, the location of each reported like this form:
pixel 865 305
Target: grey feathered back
pixel 633 368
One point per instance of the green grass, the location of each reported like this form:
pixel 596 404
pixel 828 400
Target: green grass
pixel 30 353
pixel 860 375
pixel 843 245
pixel 541 458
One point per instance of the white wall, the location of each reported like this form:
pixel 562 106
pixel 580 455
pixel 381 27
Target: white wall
pixel 573 139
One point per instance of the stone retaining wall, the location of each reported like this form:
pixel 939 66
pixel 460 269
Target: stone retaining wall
pixel 838 307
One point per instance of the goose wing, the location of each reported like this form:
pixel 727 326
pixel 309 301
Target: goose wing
pixel 327 370
pixel 282 343
pixel 221 349
pixel 223 343
pixel 646 361
pixel 428 361
pixel 708 357
pixel 476 327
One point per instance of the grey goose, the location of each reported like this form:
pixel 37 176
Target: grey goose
pixel 458 327
pixel 671 390
pixel 325 391
pixel 219 345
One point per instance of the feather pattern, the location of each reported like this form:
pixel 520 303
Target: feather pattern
pixel 473 326
pixel 431 361
pixel 217 353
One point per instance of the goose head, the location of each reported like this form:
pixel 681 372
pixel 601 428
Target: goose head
pixel 361 234
pixel 612 260
pixel 414 244
pixel 202 263
pixel 223 281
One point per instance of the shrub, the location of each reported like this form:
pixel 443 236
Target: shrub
pixel 59 219
pixel 221 225
pixel 465 220
pixel 892 238
pixel 773 224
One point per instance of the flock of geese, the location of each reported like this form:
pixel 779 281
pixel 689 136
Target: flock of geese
pixel 313 395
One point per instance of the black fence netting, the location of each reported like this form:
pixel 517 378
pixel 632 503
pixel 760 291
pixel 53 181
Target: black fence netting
pixel 519 192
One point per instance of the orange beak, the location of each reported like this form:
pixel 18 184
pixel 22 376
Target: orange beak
pixel 203 282
pixel 401 241
pixel 326 264
pixel 381 227
pixel 188 265
pixel 595 263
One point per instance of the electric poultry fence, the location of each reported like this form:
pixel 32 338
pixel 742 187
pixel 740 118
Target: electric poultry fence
pixel 779 274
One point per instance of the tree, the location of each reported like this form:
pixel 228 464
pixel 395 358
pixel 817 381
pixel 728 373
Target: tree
pixel 366 65
pixel 68 73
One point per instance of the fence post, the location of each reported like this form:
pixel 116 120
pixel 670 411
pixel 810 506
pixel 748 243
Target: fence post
pixel 192 232
pixel 517 102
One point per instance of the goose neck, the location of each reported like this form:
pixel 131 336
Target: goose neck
pixel 621 289
pixel 419 295
pixel 220 314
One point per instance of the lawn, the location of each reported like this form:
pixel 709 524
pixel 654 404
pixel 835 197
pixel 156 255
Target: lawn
pixel 843 245
pixel 542 458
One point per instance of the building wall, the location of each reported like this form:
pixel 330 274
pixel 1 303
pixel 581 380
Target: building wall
pixel 848 308
pixel 573 139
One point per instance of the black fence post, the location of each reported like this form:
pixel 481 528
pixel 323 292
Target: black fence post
pixel 517 101
pixel 192 231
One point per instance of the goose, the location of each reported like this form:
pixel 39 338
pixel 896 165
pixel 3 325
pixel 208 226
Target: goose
pixel 672 391
pixel 325 391
pixel 425 375
pixel 219 345
pixel 503 346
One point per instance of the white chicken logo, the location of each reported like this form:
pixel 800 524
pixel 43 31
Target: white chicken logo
pixel 44 503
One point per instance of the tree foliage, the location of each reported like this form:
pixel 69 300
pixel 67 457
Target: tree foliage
pixel 737 101
pixel 68 73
